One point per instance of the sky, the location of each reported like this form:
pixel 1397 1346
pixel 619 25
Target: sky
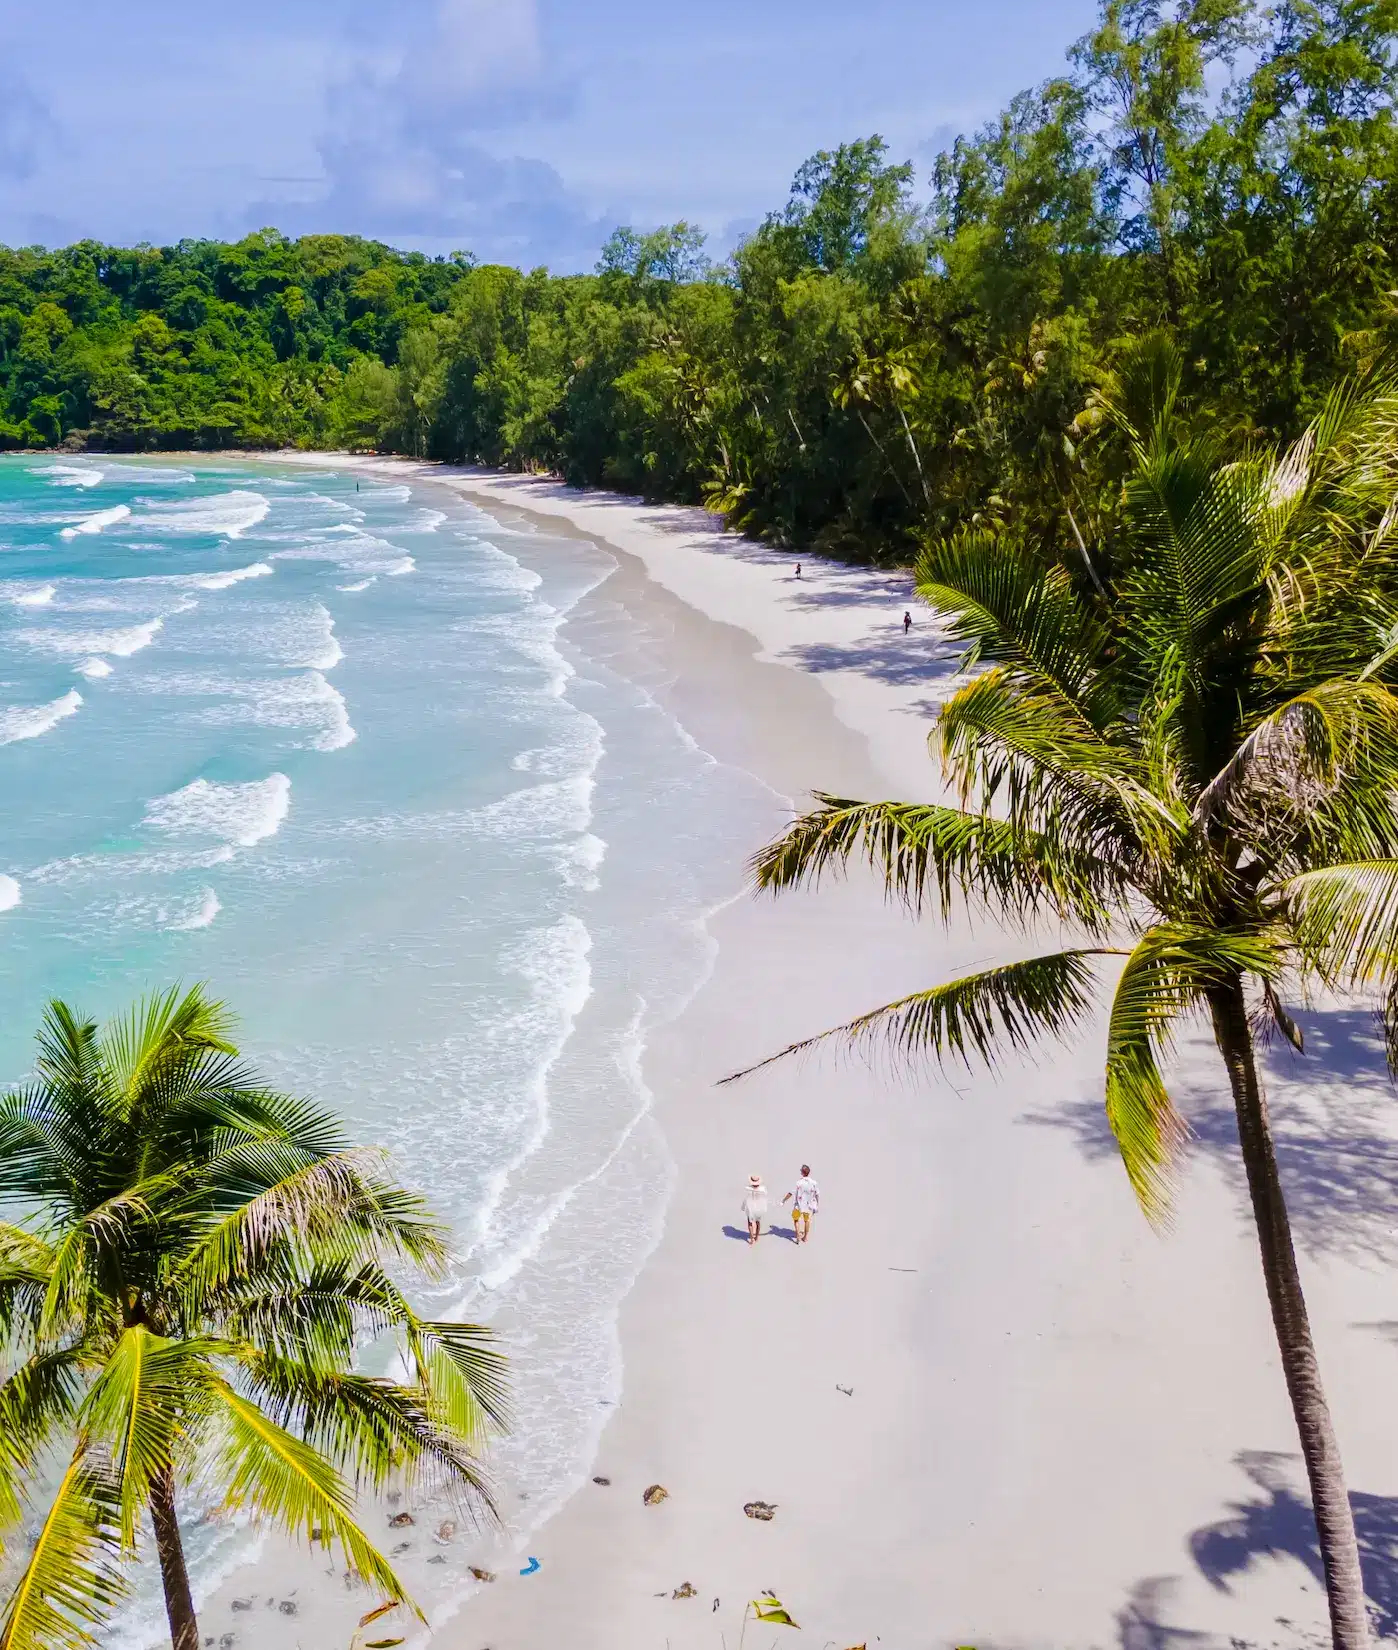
pixel 522 131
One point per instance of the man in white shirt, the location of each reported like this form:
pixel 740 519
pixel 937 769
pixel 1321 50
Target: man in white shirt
pixel 805 1201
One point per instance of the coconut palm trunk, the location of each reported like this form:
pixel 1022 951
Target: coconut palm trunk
pixel 1339 1548
pixel 174 1574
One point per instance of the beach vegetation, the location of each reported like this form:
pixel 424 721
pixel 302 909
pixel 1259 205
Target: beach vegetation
pixel 197 1264
pixel 1179 740
pixel 897 349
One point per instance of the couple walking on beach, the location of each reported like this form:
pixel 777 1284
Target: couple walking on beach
pixel 804 1198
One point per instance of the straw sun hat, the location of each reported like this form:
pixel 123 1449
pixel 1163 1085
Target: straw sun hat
pixel 754 1180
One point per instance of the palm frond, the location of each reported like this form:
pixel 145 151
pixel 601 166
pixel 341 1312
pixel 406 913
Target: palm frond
pixel 1009 609
pixel 1031 757
pixel 1169 974
pixel 39 1161
pixel 36 1400
pixel 1333 747
pixel 1197 580
pixel 73 1580
pixel 377 1430
pixel 160 1030
pixel 461 1370
pixel 285 1481
pixel 335 1207
pixel 1140 395
pixel 138 1409
pixel 26 1262
pixel 1016 1003
pixel 935 855
pixel 1344 920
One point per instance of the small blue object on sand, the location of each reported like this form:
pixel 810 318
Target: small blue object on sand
pixel 530 1567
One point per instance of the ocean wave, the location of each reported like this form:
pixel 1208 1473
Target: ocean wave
pixel 93 669
pixel 234 575
pixel 152 473
pixel 577 750
pixel 387 493
pixel 342 505
pixel 221 515
pixel 120 643
pixel 198 915
pixel 325 651
pixel 30 721
pixel 535 816
pixel 104 868
pixel 300 635
pixel 306 701
pixel 339 730
pixel 354 589
pixel 10 894
pixel 579 862
pixel 428 521
pixel 240 814
pixel 30 596
pixel 554 962
pixel 497 569
pixel 68 475
pixel 97 521
pixel 539 814
pixel 352 552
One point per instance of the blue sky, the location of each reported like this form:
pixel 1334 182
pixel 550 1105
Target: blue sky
pixel 521 130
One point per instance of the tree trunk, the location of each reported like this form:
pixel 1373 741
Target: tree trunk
pixel 179 1602
pixel 1339 1551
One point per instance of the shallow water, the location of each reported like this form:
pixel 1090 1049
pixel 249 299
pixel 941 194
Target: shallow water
pixel 395 780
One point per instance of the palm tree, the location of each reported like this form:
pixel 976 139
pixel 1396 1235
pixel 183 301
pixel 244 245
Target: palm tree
pixel 1190 758
pixel 199 1259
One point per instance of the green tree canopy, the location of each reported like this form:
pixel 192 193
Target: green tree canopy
pixel 181 1306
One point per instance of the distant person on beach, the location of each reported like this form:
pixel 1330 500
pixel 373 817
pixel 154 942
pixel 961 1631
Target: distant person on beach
pixel 805 1201
pixel 798 569
pixel 907 623
pixel 755 1206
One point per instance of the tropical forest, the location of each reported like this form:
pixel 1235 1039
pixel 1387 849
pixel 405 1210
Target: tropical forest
pixel 899 348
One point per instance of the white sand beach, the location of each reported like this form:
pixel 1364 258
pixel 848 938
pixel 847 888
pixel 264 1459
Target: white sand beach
pixel 990 1404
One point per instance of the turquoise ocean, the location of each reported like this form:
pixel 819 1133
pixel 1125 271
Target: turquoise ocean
pixel 397 781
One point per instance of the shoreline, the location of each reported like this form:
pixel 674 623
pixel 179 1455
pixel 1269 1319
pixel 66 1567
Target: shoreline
pixel 1058 1429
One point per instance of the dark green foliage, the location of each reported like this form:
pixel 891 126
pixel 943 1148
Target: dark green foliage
pixel 869 368
pixel 204 344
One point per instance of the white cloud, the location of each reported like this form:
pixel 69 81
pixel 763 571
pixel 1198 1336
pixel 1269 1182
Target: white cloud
pixel 478 50
pixel 405 145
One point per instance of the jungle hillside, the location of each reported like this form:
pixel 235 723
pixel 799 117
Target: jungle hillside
pixel 898 350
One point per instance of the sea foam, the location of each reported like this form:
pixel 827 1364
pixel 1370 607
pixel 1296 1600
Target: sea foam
pixel 38 596
pixel 234 575
pixel 325 652
pixel 198 915
pixel 306 701
pixel 223 515
pixel 352 552
pixel 239 814
pixel 69 475
pixel 97 521
pixel 30 721
pixel 120 643
pixel 10 895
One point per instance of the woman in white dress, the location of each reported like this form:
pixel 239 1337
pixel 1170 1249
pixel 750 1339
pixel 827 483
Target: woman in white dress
pixel 755 1206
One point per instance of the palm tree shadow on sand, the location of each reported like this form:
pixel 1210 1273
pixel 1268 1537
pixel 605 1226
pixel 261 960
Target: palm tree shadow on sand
pixel 1277 1523
pixel 1336 1129
pixel 1335 1123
